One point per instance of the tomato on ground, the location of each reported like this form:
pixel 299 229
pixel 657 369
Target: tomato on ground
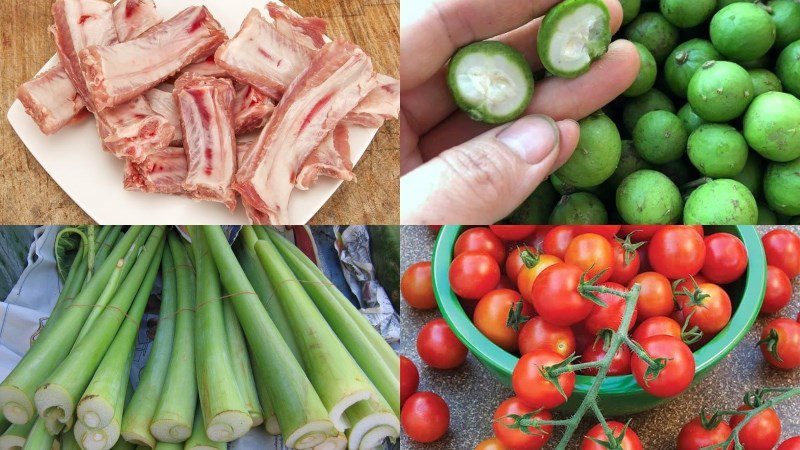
pixel 473 274
pixel 512 232
pixel 593 254
pixel 657 326
pixel 480 239
pixel 711 313
pixel 409 379
pixel 790 444
pixel 620 363
pixel 677 251
pixel 780 343
pixel 655 295
pixel 678 372
pixel 416 285
pixel 694 435
pixel 630 441
pixel 425 417
pixel 607 231
pixel 491 317
pixel 726 258
pixel 538 333
pixel 609 316
pixel 555 295
pixel 439 347
pixel 517 439
pixel 626 263
pixel 557 240
pixel 779 291
pixel 491 444
pixel 761 432
pixel 783 251
pixel 527 275
pixel 531 386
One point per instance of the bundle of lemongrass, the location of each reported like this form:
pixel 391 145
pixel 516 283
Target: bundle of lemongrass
pixel 253 335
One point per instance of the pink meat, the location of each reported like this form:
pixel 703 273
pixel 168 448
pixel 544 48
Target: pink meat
pixel 79 24
pixel 206 66
pixel 383 103
pixel 243 144
pixel 251 109
pixel 262 56
pixel 308 31
pixel 117 73
pixel 133 130
pixel 162 172
pixel 51 100
pixel 205 105
pixel 339 77
pixel 134 17
pixel 331 158
pixel 163 104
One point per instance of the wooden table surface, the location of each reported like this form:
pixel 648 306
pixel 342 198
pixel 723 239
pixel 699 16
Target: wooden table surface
pixel 29 195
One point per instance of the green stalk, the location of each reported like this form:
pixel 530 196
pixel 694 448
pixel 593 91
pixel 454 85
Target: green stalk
pixel 55 341
pixel 101 407
pixel 199 440
pixel 302 416
pixel 243 374
pixel 224 411
pixel 372 423
pixel 356 342
pixel 381 347
pixel 122 444
pixel 57 398
pixel 39 438
pixel 168 446
pixel 261 376
pixel 15 436
pixel 337 378
pixel 139 413
pixel 104 300
pixel 174 416
pixel 68 441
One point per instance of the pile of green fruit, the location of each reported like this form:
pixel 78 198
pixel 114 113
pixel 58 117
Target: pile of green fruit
pixel 708 133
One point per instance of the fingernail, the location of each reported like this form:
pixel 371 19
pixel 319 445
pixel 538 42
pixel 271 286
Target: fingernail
pixel 532 138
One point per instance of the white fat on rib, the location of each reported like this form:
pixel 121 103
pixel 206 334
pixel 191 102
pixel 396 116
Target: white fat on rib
pixel 568 46
pixel 491 81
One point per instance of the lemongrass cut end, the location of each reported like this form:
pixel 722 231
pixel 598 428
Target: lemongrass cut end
pixel 16 406
pixel 271 425
pixel 10 442
pixel 338 442
pixel 97 439
pixel 54 403
pixel 228 426
pixel 257 418
pixel 337 415
pixel 139 439
pixel 95 412
pixel 171 431
pixel 310 435
pixel 373 430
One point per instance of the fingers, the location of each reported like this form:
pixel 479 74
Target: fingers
pixel 483 180
pixel 559 98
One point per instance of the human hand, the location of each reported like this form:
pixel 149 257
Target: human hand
pixel 456 170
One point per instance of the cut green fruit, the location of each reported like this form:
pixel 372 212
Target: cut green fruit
pixel 648 197
pixel 490 81
pixel 684 61
pixel 786 15
pixel 781 185
pixel 788 68
pixel 687 13
pixel 655 32
pixel 720 91
pixel 580 208
pixel 572 35
pixel 772 126
pixel 635 108
pixel 721 202
pixel 597 154
pixel 743 31
pixel 764 81
pixel 718 151
pixel 690 118
pixel 660 137
pixel 647 73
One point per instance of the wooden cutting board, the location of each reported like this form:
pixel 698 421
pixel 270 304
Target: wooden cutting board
pixel 29 196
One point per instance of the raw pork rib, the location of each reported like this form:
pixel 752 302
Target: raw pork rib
pixel 339 77
pixel 308 31
pixel 51 99
pixel 383 103
pixel 133 130
pixel 134 17
pixel 117 73
pixel 331 158
pixel 251 109
pixel 162 172
pixel 163 104
pixel 206 66
pixel 206 111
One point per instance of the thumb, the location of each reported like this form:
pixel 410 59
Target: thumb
pixel 483 180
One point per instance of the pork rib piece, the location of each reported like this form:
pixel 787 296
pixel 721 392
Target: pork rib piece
pixel 117 73
pixel 133 130
pixel 339 77
pixel 263 56
pixel 383 103
pixel 134 17
pixel 51 100
pixel 331 158
pixel 205 105
pixel 162 172
pixel 163 104
pixel 308 31
pixel 251 109
pixel 205 66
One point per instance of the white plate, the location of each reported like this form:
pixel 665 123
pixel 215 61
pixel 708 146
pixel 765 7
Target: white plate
pixel 93 177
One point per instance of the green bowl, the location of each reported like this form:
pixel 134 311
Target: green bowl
pixel 620 395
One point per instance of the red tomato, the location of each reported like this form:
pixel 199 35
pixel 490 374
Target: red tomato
pixel 783 251
pixel 425 417
pixel 473 274
pixel 726 258
pixel 560 282
pixel 417 287
pixel 630 441
pixel 557 240
pixel 512 232
pixel 655 295
pixel 712 313
pixel 677 251
pixel 583 339
pixel 538 334
pixel 409 379
pixel 532 388
pixel 688 284
pixel 641 233
pixel 491 444
pixel 780 343
pixel 657 326
pixel 790 444
pixel 528 275
pixel 761 432
pixel 481 239
pixel 505 283
pixel 779 291
pixel 607 231
pixel 678 373
pixel 610 316
pixel 620 363
pixel 515 263
pixel 644 258
pixel 694 435
pixel 591 253
pixel 535 240
pixel 517 439
pixel 623 272
pixel 491 316
pixel 439 347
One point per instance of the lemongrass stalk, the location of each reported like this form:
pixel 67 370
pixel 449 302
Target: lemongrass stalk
pixel 303 418
pixel 39 438
pixel 168 446
pixel 68 441
pixel 199 440
pixel 55 340
pixel 174 415
pixel 110 235
pixel 225 414
pixel 338 442
pixel 372 422
pixel 15 436
pixel 337 378
pixel 261 376
pixel 356 342
pixel 104 300
pixel 57 398
pixel 139 412
pixel 122 444
pixel 243 374
pixel 379 344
